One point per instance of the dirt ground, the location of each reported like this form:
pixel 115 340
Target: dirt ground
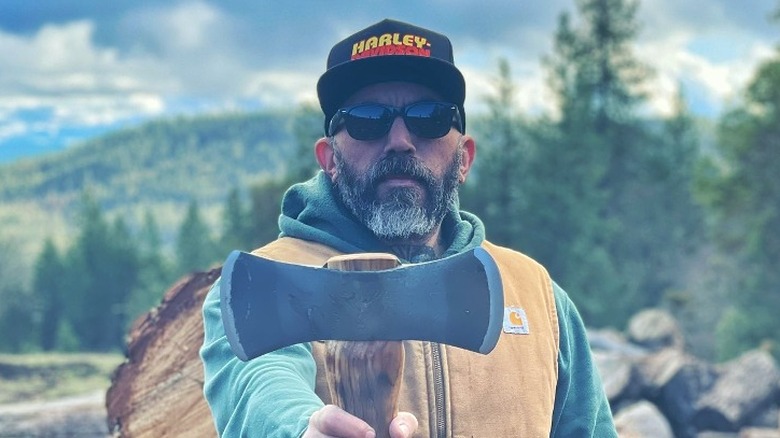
pixel 78 416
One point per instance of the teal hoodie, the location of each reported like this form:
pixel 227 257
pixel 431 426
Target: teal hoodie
pixel 273 395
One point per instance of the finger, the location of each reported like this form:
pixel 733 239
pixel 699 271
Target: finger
pixel 403 425
pixel 332 421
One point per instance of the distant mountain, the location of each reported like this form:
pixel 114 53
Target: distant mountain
pixel 174 159
pixel 157 167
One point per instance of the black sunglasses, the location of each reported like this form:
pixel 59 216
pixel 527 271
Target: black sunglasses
pixel 371 121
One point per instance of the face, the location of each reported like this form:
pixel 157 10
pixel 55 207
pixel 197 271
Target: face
pixel 400 185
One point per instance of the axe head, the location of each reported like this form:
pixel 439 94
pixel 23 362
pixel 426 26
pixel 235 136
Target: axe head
pixel 267 304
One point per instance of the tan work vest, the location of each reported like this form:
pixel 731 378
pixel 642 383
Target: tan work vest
pixel 457 393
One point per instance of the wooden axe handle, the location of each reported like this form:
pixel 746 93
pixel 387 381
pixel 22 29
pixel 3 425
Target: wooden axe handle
pixel 365 377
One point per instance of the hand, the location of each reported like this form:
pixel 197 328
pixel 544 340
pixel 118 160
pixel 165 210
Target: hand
pixel 333 422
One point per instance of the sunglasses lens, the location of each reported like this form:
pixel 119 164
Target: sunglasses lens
pixel 430 119
pixel 368 122
pixel 372 121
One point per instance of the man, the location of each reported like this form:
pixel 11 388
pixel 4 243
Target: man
pixel 394 155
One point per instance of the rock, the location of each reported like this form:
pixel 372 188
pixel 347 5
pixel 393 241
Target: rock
pixel 655 329
pixel 642 420
pixel 745 387
pixel 615 359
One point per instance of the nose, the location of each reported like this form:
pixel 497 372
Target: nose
pixel 399 139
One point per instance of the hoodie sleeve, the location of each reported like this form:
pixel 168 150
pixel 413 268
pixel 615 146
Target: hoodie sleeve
pixel 269 396
pixel 581 406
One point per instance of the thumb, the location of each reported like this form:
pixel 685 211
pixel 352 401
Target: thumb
pixel 404 425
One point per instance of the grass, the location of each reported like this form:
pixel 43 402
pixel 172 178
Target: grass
pixel 48 376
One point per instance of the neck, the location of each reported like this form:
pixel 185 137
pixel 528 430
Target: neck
pixel 419 250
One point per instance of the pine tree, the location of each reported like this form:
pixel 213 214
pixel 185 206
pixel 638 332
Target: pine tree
pixel 306 128
pixel 496 190
pixel 195 249
pixel 49 292
pixel 741 190
pixel 121 275
pixel 591 160
pixel 155 273
pixel 17 324
pixel 101 273
pixel 265 207
pixel 265 197
pixel 236 232
pixel 672 226
pixel 85 309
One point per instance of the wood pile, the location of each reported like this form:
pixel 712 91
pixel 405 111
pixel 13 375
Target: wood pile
pixel 656 389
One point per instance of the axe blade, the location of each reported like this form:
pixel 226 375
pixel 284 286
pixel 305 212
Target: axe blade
pixel 267 304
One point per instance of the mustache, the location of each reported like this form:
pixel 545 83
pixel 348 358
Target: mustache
pixel 400 165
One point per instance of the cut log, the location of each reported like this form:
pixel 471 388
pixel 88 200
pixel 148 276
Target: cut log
pixel 158 390
pixel 747 385
pixel 617 376
pixel 655 329
pixel 674 381
pixel 642 420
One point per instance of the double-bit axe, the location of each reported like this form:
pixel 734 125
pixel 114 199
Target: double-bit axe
pixel 268 305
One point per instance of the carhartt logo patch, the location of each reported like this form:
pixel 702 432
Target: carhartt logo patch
pixel 515 321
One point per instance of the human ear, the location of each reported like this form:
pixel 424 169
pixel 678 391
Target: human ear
pixel 469 152
pixel 323 150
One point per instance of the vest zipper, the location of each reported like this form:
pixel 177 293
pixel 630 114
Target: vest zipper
pixel 438 391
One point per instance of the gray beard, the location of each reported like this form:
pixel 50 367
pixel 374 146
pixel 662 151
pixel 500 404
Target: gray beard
pixel 406 213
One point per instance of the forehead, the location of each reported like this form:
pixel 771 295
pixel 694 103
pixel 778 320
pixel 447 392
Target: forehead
pixel 392 93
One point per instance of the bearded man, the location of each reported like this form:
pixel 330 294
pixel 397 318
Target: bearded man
pixel 394 153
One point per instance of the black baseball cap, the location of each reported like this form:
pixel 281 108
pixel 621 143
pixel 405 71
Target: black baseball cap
pixel 390 51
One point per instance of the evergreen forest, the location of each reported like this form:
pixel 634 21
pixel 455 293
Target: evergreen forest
pixel 626 210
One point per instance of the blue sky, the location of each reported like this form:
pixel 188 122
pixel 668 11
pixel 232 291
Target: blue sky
pixel 71 69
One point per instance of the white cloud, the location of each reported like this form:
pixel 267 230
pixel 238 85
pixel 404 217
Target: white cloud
pixel 712 48
pixel 180 29
pixel 719 80
pixel 61 68
pixel 532 96
pixel 194 43
pixel 194 24
pixel 11 128
pixel 281 88
pixel 24 115
pixel 51 49
pixel 204 55
pixel 59 77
